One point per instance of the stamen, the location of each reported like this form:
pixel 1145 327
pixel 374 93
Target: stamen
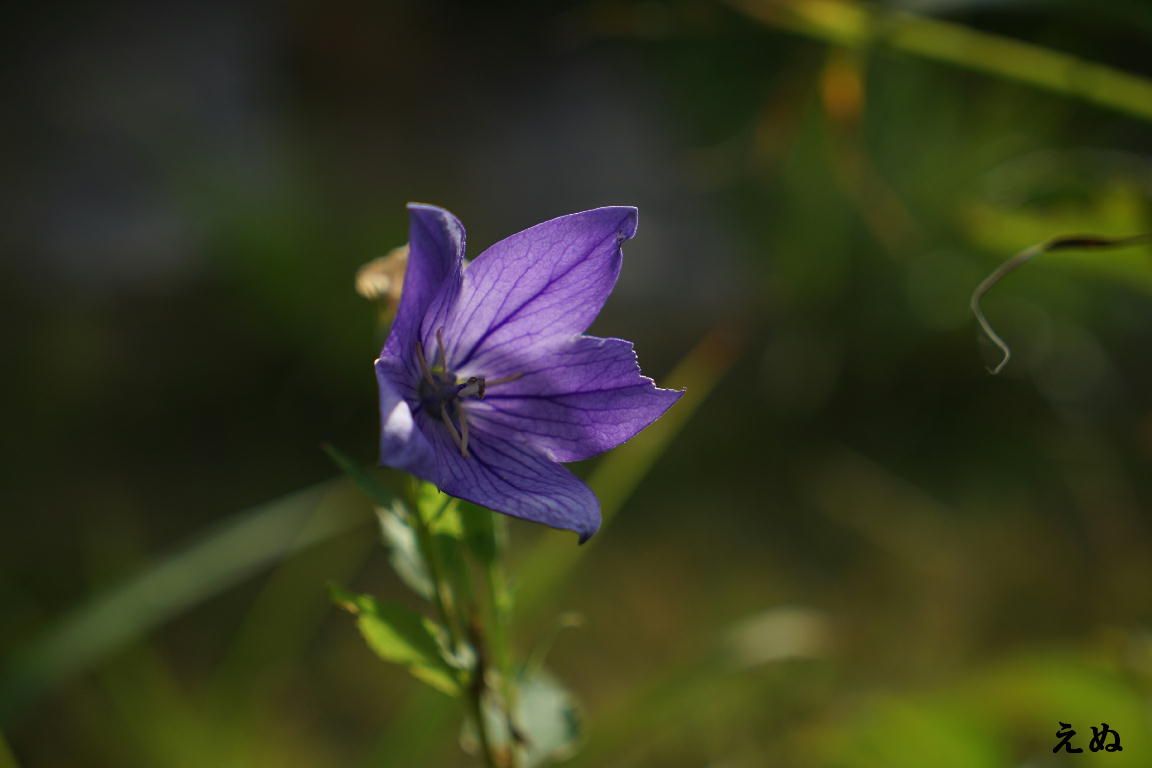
pixel 463 416
pixel 505 380
pixel 423 362
pixel 442 394
pixel 452 431
pixel 441 358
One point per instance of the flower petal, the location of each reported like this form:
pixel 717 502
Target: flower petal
pixel 547 282
pixel 511 478
pixel 402 444
pixel 575 400
pixel 435 258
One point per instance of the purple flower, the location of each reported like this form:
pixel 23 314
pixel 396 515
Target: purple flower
pixel 487 382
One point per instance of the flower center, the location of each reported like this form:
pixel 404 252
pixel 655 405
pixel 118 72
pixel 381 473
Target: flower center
pixel 441 393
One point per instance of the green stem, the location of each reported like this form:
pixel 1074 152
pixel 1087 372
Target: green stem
pixel 497 582
pixel 858 26
pixel 498 589
pixel 435 571
pixel 455 634
pixel 475 700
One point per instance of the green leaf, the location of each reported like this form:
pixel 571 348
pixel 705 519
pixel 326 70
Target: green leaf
pixel 439 510
pixel 550 718
pixel 402 636
pixel 404 548
pixel 447 521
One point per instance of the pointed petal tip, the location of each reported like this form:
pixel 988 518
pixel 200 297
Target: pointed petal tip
pixel 626 230
pixel 625 217
pixel 436 219
pixel 413 206
pixel 588 531
pixel 590 525
pixel 671 395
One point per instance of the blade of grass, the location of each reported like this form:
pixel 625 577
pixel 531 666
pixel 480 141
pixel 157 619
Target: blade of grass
pixel 159 724
pixel 621 472
pixel 7 759
pixel 219 559
pixel 857 26
pixel 283 618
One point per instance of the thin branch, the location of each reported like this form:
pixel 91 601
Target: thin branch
pixel 1066 243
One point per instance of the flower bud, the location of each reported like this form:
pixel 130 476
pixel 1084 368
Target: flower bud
pixel 382 279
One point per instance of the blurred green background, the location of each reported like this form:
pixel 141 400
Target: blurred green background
pixel 849 547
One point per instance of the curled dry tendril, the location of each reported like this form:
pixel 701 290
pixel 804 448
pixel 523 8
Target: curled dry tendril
pixel 1065 243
